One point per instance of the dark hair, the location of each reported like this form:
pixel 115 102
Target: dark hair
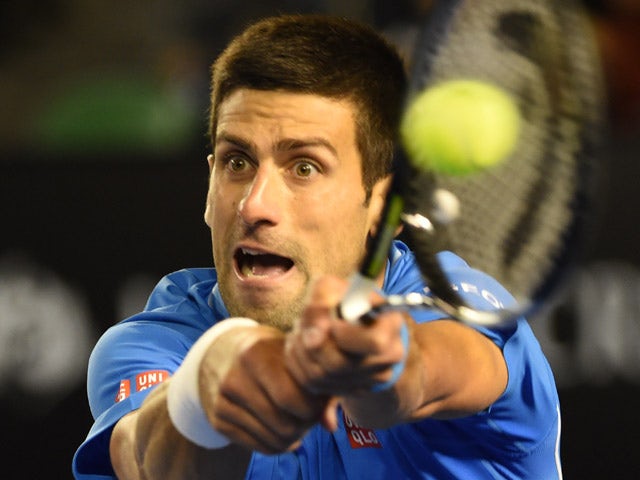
pixel 323 55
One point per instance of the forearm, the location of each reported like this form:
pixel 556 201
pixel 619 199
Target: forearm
pixel 146 446
pixel 451 370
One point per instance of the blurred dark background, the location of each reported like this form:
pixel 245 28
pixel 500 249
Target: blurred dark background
pixel 102 184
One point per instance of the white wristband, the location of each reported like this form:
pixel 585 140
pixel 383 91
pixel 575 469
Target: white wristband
pixel 183 396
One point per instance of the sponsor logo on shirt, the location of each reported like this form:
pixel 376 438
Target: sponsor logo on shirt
pixel 148 379
pixel 360 437
pixel 475 290
pixel 124 390
pixel 143 381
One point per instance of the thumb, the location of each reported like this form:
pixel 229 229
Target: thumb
pixel 316 318
pixel 329 419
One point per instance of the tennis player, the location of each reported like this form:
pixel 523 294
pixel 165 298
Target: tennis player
pixel 244 371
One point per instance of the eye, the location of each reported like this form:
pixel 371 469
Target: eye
pixel 305 169
pixel 237 164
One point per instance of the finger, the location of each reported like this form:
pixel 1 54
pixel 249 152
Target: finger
pixel 379 342
pixel 257 417
pixel 349 376
pixel 308 345
pixel 314 324
pixel 324 369
pixel 312 330
pixel 260 404
pixel 328 291
pixel 244 426
pixel 267 369
pixel 320 371
pixel 359 358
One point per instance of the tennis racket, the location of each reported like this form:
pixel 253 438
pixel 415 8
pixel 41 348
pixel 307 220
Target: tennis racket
pixel 525 222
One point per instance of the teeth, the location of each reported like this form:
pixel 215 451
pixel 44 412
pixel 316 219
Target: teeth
pixel 257 263
pixel 247 271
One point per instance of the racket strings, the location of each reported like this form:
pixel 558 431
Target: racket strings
pixel 517 221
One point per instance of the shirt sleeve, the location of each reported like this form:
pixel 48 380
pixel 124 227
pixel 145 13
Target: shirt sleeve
pixel 134 356
pixel 526 412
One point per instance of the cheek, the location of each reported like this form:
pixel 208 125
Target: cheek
pixel 222 204
pixel 341 240
pixel 220 216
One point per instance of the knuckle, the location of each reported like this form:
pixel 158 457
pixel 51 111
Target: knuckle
pixel 288 434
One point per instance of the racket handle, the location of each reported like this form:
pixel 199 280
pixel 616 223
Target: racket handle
pixel 356 301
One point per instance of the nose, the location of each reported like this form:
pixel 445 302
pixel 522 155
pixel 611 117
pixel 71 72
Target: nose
pixel 262 201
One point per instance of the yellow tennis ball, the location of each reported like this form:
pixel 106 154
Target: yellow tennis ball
pixel 460 127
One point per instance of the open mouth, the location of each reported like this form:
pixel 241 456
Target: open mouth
pixel 253 263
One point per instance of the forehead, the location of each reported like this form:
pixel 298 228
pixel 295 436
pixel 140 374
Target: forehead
pixel 289 111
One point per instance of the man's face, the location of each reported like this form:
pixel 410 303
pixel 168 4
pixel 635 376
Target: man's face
pixel 286 201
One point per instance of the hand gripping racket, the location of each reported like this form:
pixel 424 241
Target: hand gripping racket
pixel 525 221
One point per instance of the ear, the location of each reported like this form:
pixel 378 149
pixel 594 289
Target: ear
pixel 207 210
pixel 376 203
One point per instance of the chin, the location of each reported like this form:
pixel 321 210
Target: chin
pixel 274 318
pixel 277 308
pixel 275 315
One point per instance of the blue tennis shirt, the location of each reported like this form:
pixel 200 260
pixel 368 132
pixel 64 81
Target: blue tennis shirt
pixel 515 438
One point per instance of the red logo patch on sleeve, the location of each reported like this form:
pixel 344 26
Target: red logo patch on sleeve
pixel 148 379
pixel 124 390
pixel 360 437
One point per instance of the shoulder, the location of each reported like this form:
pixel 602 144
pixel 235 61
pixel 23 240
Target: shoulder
pixel 183 284
pixel 478 289
pixel 403 272
pixel 178 311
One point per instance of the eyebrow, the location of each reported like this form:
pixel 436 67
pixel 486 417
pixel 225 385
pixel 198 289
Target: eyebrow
pixel 282 145
pixel 225 137
pixel 295 143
